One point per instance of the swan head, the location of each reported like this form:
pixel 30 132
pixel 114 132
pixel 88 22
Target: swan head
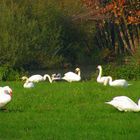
pixel 139 102
pixel 99 67
pixel 56 75
pixel 77 69
pixel 8 90
pixel 24 78
pixel 53 75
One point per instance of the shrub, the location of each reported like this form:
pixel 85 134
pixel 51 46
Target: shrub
pixel 9 74
pixel 129 72
pixel 35 32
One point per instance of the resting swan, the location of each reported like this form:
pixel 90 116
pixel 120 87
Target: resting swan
pixel 123 103
pixel 118 82
pixel 100 78
pixel 37 78
pixel 28 84
pixel 71 76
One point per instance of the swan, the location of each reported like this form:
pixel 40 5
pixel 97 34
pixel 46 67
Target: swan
pixel 5 95
pixel 100 78
pixel 71 76
pixel 124 103
pixel 56 77
pixel 28 84
pixel 37 78
pixel 118 82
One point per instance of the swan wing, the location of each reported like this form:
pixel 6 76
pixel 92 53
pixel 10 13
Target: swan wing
pixel 35 78
pixel 4 99
pixel 123 103
pixel 121 98
pixel 125 100
pixel 119 82
pixel 71 76
pixel 28 85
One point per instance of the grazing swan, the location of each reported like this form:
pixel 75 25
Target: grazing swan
pixel 118 82
pixel 100 78
pixel 28 84
pixel 37 78
pixel 71 76
pixel 5 95
pixel 123 103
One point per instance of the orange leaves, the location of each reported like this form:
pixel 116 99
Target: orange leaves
pixel 117 8
pixel 91 3
pixel 134 17
pixel 121 2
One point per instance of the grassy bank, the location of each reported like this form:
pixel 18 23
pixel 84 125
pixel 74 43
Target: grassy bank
pixel 68 111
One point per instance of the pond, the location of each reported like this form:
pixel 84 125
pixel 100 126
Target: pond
pixel 86 71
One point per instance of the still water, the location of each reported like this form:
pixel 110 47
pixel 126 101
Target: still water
pixel 86 71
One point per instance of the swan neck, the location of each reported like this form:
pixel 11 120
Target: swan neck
pixel 139 103
pixel 110 80
pixel 79 73
pixel 47 76
pixel 100 72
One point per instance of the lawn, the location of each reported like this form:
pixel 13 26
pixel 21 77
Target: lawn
pixel 68 111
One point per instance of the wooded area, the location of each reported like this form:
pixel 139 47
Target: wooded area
pixel 37 34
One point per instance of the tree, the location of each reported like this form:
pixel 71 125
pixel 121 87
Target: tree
pixel 118 23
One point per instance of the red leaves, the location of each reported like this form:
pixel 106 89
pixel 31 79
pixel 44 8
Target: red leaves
pixel 117 8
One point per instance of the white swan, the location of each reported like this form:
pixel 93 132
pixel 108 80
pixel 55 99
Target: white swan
pixel 28 84
pixel 118 82
pixel 37 78
pixel 123 103
pixel 100 78
pixel 71 76
pixel 5 95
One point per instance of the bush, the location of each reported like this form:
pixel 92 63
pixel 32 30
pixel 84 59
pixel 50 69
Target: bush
pixel 9 74
pixel 129 72
pixel 35 34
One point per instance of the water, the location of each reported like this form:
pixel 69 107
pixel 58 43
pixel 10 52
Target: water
pixel 86 71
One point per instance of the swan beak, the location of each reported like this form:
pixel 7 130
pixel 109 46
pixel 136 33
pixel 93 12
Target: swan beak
pixel 10 93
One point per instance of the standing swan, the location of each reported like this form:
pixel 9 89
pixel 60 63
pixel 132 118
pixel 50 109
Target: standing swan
pixel 37 78
pixel 123 103
pixel 71 76
pixel 100 78
pixel 118 82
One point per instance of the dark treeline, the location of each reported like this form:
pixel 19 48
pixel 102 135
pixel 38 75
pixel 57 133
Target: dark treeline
pixel 36 34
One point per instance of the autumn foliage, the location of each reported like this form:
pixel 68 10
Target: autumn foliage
pixel 116 8
pixel 118 23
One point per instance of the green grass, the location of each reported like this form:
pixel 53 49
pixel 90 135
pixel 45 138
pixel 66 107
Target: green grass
pixel 68 111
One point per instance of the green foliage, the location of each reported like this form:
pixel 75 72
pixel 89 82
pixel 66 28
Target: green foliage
pixel 37 34
pixel 129 72
pixel 9 74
